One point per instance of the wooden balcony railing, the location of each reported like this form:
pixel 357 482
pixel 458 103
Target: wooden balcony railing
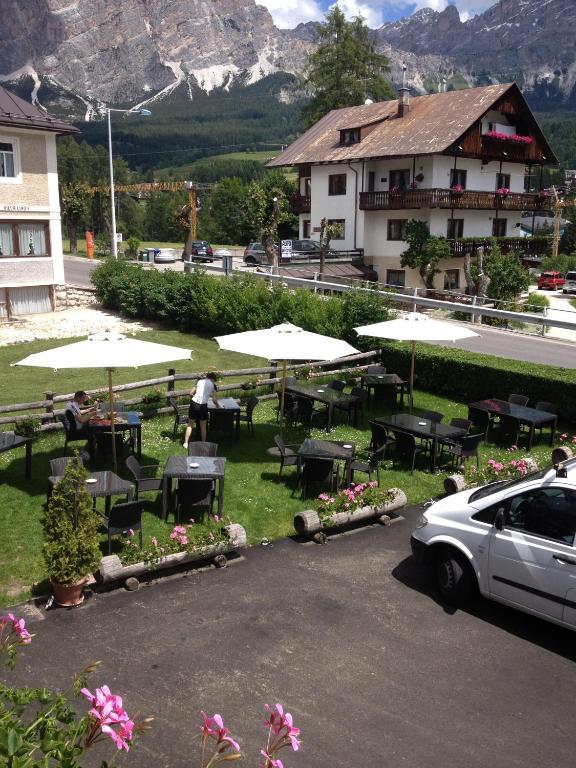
pixel 529 246
pixel 446 198
pixel 497 149
pixel 300 203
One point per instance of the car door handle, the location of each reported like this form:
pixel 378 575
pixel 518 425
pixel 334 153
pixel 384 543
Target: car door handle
pixel 564 560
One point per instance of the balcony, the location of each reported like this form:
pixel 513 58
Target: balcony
pixel 528 246
pixel 446 198
pixel 300 203
pixel 512 151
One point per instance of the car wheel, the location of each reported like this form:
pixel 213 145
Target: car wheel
pixel 454 578
pixel 250 261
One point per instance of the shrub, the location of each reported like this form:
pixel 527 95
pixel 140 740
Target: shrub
pixel 536 303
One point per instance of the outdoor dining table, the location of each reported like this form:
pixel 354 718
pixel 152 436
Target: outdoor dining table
pixel 102 484
pixel 10 440
pixel 328 449
pixel 385 381
pixel 530 417
pixel 323 394
pixel 126 421
pixel 192 468
pixel 436 433
pixel 227 414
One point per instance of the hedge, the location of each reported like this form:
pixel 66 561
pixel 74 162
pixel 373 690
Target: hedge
pixel 470 376
pixel 201 303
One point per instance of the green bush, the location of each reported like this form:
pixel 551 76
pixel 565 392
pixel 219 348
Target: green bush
pixel 469 376
pixel 200 303
pixel 536 303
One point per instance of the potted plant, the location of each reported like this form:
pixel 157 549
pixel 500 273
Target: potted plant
pixel 71 535
pixel 151 401
pixel 25 427
pixel 502 191
pixel 457 189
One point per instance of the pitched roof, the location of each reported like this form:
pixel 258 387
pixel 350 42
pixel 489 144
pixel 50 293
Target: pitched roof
pixel 17 113
pixel 432 125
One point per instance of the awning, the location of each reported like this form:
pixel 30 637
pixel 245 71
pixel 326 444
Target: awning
pixel 331 270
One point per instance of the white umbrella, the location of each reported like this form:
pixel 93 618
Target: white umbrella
pixel 106 350
pixel 286 342
pixel 414 327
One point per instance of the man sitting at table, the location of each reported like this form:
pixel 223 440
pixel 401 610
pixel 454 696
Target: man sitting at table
pixel 77 416
pixel 204 390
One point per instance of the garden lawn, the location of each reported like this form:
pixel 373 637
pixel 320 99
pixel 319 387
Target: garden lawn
pixel 254 494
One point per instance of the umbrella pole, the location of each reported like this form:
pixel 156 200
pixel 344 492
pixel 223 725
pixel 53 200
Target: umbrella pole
pixel 112 416
pixel 282 393
pixel 413 344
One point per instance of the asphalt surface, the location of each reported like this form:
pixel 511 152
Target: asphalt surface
pixel 77 270
pixel 347 636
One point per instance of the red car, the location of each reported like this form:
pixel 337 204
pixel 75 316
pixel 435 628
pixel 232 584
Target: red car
pixel 551 280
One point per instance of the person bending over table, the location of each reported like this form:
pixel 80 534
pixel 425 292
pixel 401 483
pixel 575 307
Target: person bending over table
pixel 204 390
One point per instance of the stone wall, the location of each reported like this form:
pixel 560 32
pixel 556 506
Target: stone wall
pixel 68 296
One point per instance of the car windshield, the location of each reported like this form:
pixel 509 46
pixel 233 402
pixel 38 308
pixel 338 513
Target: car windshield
pixel 500 485
pixel 547 274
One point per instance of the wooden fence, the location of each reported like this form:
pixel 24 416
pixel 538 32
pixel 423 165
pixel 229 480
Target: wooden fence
pixel 49 411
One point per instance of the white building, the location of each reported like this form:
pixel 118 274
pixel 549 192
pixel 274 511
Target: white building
pixel 31 262
pixel 458 161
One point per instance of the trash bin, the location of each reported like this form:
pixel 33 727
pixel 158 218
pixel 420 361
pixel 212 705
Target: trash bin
pixel 226 257
pixel 143 256
pixel 152 253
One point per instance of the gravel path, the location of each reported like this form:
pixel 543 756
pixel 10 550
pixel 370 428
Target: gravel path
pixel 66 324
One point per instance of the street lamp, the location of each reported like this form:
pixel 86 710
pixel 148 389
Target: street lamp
pixel 145 113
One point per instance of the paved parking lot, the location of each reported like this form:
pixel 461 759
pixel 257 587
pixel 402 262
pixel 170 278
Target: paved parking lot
pixel 375 671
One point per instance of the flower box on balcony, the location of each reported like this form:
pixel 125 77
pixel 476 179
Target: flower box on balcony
pixel 457 189
pixel 503 191
pixel 516 138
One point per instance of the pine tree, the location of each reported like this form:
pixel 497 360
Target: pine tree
pixel 345 68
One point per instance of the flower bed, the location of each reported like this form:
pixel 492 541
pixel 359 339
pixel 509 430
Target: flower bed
pixel 509 137
pixel 185 544
pixel 493 472
pixel 352 505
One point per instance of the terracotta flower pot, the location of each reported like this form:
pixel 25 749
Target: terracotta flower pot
pixel 68 595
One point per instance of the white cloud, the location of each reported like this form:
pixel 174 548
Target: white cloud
pixel 288 13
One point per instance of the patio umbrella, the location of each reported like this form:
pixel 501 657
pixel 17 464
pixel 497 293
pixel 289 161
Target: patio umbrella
pixel 110 351
pixel 414 327
pixel 286 342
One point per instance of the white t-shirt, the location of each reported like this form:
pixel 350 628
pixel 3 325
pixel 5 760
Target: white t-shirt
pixel 204 391
pixel 75 408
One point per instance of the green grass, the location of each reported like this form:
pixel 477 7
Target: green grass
pixel 254 494
pixel 24 384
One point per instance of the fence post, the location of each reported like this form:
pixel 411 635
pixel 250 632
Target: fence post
pixel 415 303
pixel 170 384
pixel 545 314
pixel 49 396
pixel 273 374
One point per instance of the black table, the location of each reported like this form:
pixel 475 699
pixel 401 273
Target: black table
pixel 323 394
pixel 10 440
pixel 178 468
pixel 530 417
pixel 328 449
pixel 422 428
pixel 390 381
pixel 125 421
pixel 107 484
pixel 226 416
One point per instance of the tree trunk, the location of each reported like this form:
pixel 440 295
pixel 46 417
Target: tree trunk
pixel 73 236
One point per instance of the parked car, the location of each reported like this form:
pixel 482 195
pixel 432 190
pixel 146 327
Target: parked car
pixel 301 249
pixel 162 255
pixel 513 541
pixel 569 283
pixel 551 280
pixel 201 251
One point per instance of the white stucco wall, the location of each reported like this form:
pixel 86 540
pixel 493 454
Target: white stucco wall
pixel 336 206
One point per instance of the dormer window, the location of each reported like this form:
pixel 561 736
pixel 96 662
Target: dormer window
pixel 349 136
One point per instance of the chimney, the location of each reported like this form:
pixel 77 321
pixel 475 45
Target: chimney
pixel 403 101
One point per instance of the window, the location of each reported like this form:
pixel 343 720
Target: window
pixel 7 166
pixel 24 239
pixel 349 136
pixel 396 277
pixel 306 228
pixel 458 178
pixel 337 184
pixel 502 181
pixel 306 186
pixel 341 224
pixel 451 279
pixel 499 227
pixel 546 512
pixel 396 229
pixel 371 181
pixel 455 229
pixel 399 180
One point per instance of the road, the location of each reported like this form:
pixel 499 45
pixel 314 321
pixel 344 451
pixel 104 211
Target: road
pixel 505 344
pixel 347 636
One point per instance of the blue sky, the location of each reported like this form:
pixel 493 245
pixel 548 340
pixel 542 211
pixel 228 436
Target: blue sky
pixel 289 13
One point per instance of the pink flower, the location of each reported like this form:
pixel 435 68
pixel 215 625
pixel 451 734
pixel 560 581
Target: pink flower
pixel 271 762
pixel 183 540
pixel 18 627
pixel 278 720
pixel 154 541
pixel 214 728
pixel 217 518
pixel 107 712
pixel 563 436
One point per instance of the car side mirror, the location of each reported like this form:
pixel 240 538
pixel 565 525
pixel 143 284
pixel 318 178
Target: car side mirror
pixel 499 519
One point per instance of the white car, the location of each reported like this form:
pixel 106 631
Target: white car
pixel 512 541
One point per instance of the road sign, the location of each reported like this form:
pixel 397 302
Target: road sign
pixel 286 250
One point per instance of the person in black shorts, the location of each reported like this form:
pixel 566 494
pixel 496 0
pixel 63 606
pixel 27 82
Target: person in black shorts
pixel 204 391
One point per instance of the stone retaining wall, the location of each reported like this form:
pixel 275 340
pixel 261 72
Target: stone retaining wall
pixel 68 296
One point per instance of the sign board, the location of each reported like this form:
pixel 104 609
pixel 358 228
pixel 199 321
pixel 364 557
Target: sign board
pixel 118 237
pixel 286 250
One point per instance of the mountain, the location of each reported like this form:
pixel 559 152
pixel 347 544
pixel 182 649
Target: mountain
pixel 529 41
